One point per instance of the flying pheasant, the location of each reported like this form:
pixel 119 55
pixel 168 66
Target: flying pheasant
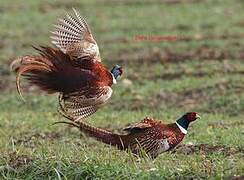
pixel 149 136
pixel 73 69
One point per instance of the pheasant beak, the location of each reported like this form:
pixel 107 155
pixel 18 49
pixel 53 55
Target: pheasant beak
pixel 198 117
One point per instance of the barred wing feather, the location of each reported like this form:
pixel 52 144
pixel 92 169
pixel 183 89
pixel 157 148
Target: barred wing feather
pixel 72 35
pixel 84 103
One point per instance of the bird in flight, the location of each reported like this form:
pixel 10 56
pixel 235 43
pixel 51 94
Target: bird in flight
pixel 73 69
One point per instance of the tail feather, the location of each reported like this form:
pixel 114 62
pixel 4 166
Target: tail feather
pixel 26 64
pixel 52 71
pixel 99 134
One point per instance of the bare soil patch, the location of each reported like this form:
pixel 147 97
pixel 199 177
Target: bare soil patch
pixel 225 69
pixel 222 125
pixel 164 56
pixel 176 75
pixel 207 149
pixel 236 177
pixel 3 85
pixel 138 2
pixel 195 96
pixel 192 98
pixel 30 140
pixel 200 37
pixel 18 161
pixel 46 7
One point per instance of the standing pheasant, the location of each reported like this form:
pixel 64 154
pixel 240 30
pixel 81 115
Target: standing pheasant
pixel 73 69
pixel 149 136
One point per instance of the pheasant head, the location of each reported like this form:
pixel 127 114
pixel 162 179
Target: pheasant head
pixel 185 120
pixel 116 72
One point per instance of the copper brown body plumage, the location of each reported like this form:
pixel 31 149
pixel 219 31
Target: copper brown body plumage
pixel 73 69
pixel 150 136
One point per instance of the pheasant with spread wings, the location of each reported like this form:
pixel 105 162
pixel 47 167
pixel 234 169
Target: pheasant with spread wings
pixel 73 69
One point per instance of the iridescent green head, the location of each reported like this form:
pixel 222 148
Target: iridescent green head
pixel 187 118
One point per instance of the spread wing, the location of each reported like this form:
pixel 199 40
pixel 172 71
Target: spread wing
pixel 79 105
pixel 73 36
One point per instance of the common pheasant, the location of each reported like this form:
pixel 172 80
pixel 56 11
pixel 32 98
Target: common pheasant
pixel 73 69
pixel 150 136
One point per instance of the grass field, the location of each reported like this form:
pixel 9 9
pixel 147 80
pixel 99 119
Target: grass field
pixel 203 71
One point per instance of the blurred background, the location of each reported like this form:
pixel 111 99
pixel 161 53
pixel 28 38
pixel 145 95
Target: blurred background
pixel 177 55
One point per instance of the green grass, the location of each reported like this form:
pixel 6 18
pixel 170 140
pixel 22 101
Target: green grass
pixel 166 79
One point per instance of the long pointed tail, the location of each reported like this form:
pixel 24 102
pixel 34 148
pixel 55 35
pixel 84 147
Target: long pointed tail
pixel 99 134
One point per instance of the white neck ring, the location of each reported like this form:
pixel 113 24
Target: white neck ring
pixel 183 130
pixel 114 80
